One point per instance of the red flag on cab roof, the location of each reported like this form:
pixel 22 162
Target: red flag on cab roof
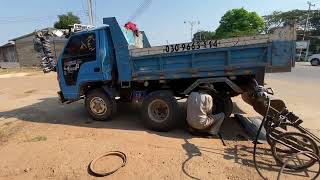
pixel 133 27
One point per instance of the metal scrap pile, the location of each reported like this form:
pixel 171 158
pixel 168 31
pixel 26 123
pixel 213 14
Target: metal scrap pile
pixel 43 47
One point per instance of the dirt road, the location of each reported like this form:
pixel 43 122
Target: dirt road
pixel 42 139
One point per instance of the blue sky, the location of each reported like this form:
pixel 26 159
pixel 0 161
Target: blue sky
pixel 162 21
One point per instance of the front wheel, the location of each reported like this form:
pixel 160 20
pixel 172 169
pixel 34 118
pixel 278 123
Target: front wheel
pixel 99 105
pixel 315 62
pixel 160 111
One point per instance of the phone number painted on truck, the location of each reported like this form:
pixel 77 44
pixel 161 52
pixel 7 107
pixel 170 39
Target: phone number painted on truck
pixel 190 46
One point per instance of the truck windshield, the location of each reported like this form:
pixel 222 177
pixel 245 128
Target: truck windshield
pixel 82 46
pixel 80 49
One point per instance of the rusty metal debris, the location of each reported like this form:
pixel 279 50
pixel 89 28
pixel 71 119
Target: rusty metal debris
pixel 292 146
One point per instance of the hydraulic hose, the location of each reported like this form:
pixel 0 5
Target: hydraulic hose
pixel 257 138
pixel 288 160
pixel 294 156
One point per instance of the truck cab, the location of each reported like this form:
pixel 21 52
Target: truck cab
pixel 78 64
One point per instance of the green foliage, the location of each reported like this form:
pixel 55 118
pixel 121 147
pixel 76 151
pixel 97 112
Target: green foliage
pixel 239 22
pixel 315 23
pixel 278 18
pixel 65 20
pixel 298 17
pixel 204 36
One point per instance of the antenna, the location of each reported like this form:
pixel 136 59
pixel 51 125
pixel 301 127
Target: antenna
pixel 90 15
pixel 192 24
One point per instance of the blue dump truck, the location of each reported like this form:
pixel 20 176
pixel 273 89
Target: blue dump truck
pixel 109 64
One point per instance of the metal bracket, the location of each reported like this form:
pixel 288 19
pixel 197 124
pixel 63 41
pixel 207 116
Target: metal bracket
pixel 125 84
pixel 232 85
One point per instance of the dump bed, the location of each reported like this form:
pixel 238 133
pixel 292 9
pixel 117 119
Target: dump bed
pixel 228 57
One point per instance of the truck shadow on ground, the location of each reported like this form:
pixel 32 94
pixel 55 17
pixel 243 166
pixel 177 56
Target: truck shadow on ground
pixel 49 110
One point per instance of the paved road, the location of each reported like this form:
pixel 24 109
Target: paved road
pixel 301 91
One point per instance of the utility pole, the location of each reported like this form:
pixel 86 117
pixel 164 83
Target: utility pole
pixel 90 14
pixel 307 21
pixel 192 24
pixel 306 28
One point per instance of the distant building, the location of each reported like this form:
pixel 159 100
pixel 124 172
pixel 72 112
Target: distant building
pixel 21 50
pixel 8 56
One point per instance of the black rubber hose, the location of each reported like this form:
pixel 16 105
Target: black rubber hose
pixel 256 141
pixel 294 156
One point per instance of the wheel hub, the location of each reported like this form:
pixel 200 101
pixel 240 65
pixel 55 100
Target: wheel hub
pixel 98 106
pixel 158 111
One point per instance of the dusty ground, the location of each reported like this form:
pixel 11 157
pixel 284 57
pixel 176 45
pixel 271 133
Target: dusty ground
pixel 42 139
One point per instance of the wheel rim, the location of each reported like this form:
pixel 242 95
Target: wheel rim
pixel 158 111
pixel 282 153
pixel 98 105
pixel 315 62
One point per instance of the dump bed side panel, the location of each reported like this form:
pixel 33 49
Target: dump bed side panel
pixel 231 61
pixel 277 56
pixel 283 56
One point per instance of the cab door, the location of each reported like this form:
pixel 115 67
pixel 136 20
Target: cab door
pixel 79 63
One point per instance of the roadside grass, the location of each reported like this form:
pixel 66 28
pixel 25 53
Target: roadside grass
pixel 36 139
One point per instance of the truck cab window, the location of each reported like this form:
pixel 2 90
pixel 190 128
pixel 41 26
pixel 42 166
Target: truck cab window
pixel 79 50
pixel 81 47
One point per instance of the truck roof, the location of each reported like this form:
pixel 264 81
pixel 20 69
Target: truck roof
pixel 92 29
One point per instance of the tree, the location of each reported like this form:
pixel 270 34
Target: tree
pixel 278 18
pixel 204 36
pixel 239 22
pixel 65 20
pixel 298 17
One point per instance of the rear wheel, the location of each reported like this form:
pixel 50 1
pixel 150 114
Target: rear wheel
pixel 290 143
pixel 160 111
pixel 99 105
pixel 315 62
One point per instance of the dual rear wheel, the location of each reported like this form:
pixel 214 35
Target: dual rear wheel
pixel 160 109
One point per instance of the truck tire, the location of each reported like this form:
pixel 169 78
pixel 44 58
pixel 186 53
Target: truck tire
pixel 160 111
pixel 222 104
pixel 99 105
pixel 315 62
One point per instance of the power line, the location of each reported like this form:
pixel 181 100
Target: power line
pixel 16 19
pixel 23 17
